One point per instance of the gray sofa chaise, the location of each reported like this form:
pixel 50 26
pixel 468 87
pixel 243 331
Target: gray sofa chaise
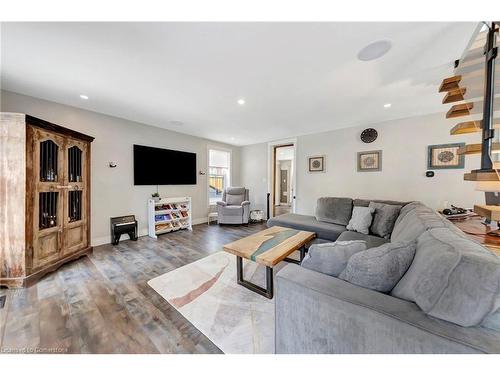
pixel 318 313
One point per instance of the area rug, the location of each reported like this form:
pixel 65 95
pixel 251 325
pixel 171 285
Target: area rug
pixel 234 318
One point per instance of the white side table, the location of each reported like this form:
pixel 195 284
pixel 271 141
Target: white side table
pixel 212 216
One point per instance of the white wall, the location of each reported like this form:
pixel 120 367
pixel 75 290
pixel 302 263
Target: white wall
pixel 113 190
pixel 404 163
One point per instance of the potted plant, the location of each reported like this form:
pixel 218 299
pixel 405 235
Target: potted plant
pixel 156 197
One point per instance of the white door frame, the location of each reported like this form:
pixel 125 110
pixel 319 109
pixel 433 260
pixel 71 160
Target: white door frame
pixel 270 171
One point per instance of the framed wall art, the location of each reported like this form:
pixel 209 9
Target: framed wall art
pixel 370 161
pixel 316 164
pixel 445 156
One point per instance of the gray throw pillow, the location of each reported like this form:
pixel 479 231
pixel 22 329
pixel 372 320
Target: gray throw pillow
pixel 331 258
pixel 379 268
pixel 334 210
pixel 384 218
pixel 361 219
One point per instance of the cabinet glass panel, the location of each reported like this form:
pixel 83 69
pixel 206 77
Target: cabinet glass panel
pixel 75 206
pixel 47 209
pixel 74 164
pixel 48 161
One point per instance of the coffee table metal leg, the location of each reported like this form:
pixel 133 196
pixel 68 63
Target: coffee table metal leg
pixel 302 255
pixel 266 292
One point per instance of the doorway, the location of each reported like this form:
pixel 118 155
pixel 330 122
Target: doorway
pixel 283 171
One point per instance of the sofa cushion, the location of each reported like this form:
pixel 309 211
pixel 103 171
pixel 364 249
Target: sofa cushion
pixel 415 222
pixel 452 278
pixel 233 210
pixel 235 199
pixel 323 230
pixel 235 190
pixel 407 208
pixel 379 268
pixel 384 218
pixel 492 321
pixel 334 210
pixel 361 219
pixel 331 258
pixel 317 241
pixel 371 241
pixel 358 202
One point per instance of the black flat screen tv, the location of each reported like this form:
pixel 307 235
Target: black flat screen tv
pixel 158 166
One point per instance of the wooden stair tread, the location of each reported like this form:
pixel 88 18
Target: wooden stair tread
pixel 491 212
pixel 471 108
pixel 455 95
pixel 460 110
pixel 475 148
pixel 450 83
pixel 470 149
pixel 482 176
pixel 468 127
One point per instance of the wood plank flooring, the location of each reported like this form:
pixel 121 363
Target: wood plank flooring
pixel 102 303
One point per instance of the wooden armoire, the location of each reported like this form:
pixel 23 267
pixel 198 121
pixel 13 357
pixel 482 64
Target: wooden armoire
pixel 44 197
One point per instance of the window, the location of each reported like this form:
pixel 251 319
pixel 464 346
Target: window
pixel 219 171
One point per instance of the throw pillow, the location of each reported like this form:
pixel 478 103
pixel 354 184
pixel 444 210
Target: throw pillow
pixel 379 268
pixel 331 258
pixel 384 219
pixel 361 219
pixel 334 210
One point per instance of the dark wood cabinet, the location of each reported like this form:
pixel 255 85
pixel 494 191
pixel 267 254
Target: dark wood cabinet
pixel 47 172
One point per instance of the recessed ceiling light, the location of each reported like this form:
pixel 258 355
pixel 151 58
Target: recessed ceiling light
pixel 241 101
pixel 232 138
pixel 374 50
pixel 84 97
pixel 387 105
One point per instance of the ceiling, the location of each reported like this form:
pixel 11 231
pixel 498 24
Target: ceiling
pixel 296 78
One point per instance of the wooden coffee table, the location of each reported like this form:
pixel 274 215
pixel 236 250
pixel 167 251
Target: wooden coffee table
pixel 268 247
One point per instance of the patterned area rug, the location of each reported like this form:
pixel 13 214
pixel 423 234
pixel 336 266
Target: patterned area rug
pixel 234 318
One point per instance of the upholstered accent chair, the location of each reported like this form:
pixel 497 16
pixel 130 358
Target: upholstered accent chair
pixel 234 207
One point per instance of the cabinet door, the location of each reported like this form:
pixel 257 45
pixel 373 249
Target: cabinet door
pixel 46 196
pixel 76 199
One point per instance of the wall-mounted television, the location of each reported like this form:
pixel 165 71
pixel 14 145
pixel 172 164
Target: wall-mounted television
pixel 158 166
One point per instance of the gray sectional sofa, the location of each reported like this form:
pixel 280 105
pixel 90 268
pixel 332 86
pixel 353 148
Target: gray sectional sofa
pixel 447 302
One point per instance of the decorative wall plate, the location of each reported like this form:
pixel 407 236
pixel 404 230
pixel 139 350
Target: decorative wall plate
pixel 369 135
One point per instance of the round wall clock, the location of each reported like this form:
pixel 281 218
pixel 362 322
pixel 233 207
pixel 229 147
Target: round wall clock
pixel 368 135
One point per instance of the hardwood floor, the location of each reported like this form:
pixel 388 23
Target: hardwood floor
pixel 102 303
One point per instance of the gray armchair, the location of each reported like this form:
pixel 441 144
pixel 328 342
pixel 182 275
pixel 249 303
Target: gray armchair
pixel 234 207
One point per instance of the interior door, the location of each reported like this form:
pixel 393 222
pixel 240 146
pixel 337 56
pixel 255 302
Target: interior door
pixel 284 186
pixel 75 196
pixel 47 197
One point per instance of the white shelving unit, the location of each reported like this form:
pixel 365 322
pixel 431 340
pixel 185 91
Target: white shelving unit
pixel 168 215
